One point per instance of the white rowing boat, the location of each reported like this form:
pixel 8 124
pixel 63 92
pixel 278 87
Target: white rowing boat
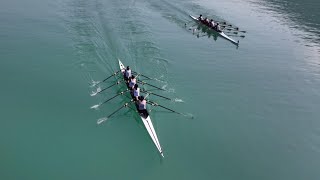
pixel 222 34
pixel 147 122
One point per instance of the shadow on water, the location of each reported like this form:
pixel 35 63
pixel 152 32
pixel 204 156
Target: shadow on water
pixel 202 31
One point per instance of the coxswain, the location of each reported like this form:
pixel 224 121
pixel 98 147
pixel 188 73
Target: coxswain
pixel 127 73
pixel 142 106
pixel 132 81
pixel 135 92
pixel 200 18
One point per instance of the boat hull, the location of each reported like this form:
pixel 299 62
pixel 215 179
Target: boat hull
pixel 222 34
pixel 147 122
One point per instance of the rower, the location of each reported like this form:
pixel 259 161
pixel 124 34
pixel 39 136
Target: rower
pixel 200 18
pixel 205 21
pixel 127 73
pixel 211 24
pixel 135 92
pixel 132 81
pixel 218 28
pixel 142 106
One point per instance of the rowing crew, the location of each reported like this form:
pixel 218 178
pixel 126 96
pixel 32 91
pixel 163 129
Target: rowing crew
pixel 131 82
pixel 210 23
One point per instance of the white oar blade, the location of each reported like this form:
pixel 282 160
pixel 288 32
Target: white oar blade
pixel 95 93
pixel 101 120
pixel 178 100
pixel 95 106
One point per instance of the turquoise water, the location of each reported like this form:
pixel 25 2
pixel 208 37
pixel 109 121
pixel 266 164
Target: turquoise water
pixel 255 108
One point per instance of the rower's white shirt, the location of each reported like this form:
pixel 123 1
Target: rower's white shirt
pixel 136 92
pixel 132 82
pixel 212 24
pixel 142 104
pixel 218 27
pixel 128 73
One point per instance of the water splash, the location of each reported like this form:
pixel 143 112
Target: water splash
pixel 178 100
pixel 101 120
pixel 95 106
pixel 95 93
pixel 94 83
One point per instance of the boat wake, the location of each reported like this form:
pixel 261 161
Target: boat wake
pixel 101 120
pixel 95 93
pixel 159 80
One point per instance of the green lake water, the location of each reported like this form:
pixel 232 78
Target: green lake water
pixel 252 112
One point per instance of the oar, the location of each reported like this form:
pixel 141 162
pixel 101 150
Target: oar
pixel 242 36
pixel 125 105
pixel 142 82
pixel 158 95
pixel 120 93
pixel 118 82
pixel 155 104
pixel 235 30
pixel 99 121
pixel 108 77
pixel 224 24
pixel 143 75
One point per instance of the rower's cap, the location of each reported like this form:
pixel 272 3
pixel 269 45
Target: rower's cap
pixel 141 97
pixel 132 77
pixel 128 67
pixel 200 14
pixel 136 86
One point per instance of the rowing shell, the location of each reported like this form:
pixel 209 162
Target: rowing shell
pixel 222 34
pixel 147 122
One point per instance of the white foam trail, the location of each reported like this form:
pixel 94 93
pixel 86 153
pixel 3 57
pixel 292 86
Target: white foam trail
pixel 178 100
pixel 171 90
pixel 101 120
pixel 159 80
pixel 164 86
pixel 95 106
pixel 94 83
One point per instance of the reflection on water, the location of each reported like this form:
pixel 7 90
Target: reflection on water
pixel 302 15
